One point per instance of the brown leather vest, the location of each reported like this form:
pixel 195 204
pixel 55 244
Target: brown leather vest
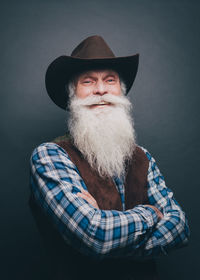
pixel 105 193
pixel 103 189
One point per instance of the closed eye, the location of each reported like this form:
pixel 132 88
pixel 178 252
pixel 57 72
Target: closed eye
pixel 111 80
pixel 87 82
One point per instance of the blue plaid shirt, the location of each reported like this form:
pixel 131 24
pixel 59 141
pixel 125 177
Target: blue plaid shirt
pixel 135 233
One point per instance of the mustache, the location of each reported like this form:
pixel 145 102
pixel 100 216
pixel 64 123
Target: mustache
pixel 120 101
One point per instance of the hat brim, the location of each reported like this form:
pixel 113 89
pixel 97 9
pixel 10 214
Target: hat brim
pixel 63 68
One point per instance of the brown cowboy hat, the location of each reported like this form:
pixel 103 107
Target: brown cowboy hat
pixel 92 53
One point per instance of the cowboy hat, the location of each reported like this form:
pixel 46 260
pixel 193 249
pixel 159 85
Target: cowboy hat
pixel 91 53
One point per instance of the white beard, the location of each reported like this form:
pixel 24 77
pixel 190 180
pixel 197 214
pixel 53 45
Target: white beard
pixel 105 136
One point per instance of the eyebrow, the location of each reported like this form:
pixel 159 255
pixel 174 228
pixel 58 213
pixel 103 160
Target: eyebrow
pixel 111 75
pixel 87 76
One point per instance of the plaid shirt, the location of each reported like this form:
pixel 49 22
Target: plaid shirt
pixel 135 233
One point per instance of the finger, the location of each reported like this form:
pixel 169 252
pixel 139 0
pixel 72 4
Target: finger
pixel 87 193
pixel 81 194
pixel 84 196
pixel 89 200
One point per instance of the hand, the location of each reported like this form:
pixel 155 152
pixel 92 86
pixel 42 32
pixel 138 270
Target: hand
pixel 87 196
pixel 159 214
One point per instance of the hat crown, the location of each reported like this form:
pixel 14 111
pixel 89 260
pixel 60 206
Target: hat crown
pixel 93 47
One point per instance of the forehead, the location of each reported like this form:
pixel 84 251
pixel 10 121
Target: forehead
pixel 97 73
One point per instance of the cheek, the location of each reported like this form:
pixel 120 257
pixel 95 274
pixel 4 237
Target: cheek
pixel 116 90
pixel 83 92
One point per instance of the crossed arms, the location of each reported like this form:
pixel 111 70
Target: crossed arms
pixel 137 233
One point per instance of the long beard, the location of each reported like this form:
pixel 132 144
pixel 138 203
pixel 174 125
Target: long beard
pixel 105 136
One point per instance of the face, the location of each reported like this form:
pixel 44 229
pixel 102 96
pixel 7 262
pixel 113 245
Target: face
pixel 98 82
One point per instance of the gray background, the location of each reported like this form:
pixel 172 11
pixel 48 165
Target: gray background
pixel 165 97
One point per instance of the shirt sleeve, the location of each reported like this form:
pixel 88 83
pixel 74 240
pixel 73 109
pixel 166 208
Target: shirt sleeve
pixel 172 230
pixel 55 182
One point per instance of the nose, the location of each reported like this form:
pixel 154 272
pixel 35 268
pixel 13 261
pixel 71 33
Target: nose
pixel 100 88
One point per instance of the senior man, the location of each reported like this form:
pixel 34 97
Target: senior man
pixel 103 194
